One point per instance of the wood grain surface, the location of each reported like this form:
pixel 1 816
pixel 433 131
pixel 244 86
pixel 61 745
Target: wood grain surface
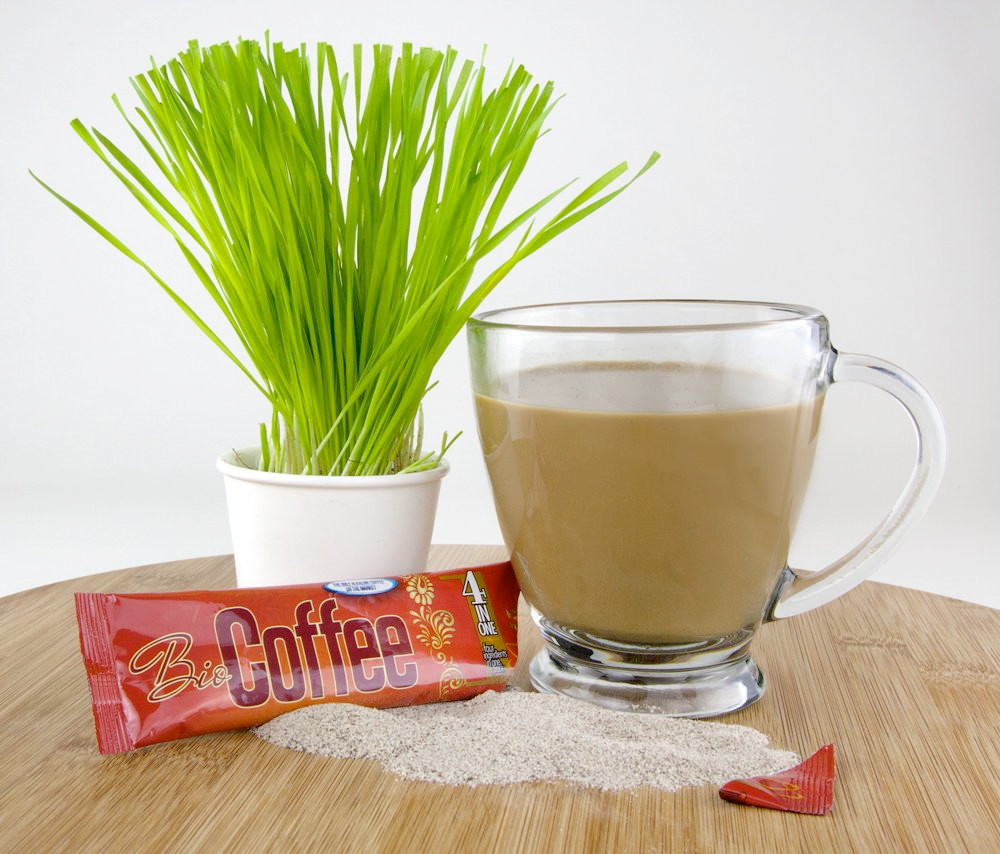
pixel 905 684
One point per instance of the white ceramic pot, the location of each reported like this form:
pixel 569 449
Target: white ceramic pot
pixel 300 529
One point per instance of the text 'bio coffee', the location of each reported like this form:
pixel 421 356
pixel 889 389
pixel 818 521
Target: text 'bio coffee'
pixel 163 666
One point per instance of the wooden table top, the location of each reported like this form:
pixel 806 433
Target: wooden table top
pixel 905 684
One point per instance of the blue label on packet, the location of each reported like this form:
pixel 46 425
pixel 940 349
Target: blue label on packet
pixel 361 586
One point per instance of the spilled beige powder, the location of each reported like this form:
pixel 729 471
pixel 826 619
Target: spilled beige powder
pixel 515 736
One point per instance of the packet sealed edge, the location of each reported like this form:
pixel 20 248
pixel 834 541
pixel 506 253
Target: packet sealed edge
pixel 164 666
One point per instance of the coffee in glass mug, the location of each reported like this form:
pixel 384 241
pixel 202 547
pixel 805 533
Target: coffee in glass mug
pixel 648 462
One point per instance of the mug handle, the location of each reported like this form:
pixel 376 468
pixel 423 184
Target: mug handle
pixel 804 591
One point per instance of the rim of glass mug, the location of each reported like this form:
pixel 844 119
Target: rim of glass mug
pixel 778 313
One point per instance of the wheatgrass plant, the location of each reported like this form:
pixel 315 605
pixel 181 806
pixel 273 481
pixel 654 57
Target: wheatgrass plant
pixel 338 237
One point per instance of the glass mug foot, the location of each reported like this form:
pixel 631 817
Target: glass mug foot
pixel 703 693
pixel 698 680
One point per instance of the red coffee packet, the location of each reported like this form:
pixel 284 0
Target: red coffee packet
pixel 806 788
pixel 163 666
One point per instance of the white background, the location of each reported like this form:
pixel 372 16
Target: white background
pixel 842 155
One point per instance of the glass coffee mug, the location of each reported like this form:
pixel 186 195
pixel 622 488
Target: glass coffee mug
pixel 648 462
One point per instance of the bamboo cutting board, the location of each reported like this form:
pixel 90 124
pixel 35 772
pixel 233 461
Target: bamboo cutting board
pixel 905 684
